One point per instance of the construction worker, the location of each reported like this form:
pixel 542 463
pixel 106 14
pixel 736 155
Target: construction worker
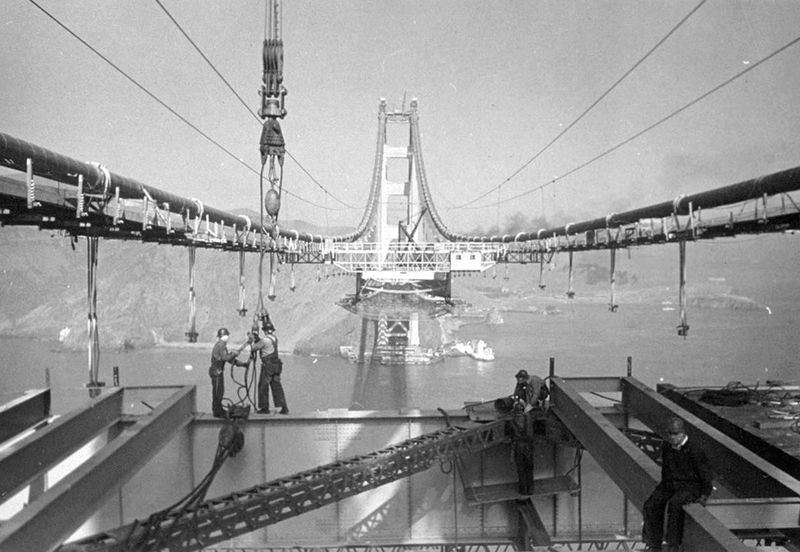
pixel 271 368
pixel 531 390
pixel 685 477
pixel 219 357
pixel 521 432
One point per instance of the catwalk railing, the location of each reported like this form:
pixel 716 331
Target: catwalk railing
pixel 89 200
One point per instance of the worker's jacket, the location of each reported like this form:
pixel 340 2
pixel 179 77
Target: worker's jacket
pixel 219 356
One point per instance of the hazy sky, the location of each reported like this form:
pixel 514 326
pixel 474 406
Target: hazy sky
pixel 496 81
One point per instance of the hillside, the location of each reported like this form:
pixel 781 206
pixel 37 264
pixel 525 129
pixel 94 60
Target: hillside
pixel 143 295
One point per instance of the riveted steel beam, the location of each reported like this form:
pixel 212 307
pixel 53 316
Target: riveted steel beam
pixel 735 466
pixel 23 413
pixel 243 511
pixel 703 532
pixel 775 455
pixel 28 458
pixel 53 517
pixel 631 469
pixel 595 384
pixel 757 513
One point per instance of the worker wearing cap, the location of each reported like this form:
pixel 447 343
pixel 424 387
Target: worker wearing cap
pixel 531 390
pixel 219 357
pixel 271 368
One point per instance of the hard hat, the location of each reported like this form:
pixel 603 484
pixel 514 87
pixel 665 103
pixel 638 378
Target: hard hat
pixel 522 374
pixel 223 331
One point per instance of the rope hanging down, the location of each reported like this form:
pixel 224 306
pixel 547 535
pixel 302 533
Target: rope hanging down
pixel 272 144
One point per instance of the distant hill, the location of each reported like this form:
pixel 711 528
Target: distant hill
pixel 143 289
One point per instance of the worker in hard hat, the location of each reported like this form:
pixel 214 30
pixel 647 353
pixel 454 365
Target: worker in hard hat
pixel 271 368
pixel 219 357
pixel 531 390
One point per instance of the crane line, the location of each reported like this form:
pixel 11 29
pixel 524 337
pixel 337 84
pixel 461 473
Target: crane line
pixel 159 100
pixel 241 100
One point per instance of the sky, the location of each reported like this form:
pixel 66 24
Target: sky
pixel 496 82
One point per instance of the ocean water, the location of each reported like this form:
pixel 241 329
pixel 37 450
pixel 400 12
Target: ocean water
pixel 584 339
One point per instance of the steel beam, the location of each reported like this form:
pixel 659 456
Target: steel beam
pixel 757 513
pixel 595 384
pixel 631 469
pixel 23 413
pixel 770 452
pixel 28 458
pixel 48 521
pixel 702 532
pixel 735 466
pixel 222 518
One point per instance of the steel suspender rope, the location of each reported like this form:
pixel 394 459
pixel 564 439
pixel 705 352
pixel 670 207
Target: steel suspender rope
pixel 192 333
pixel 93 335
pixel 612 276
pixel 242 290
pixel 683 327
pixel 571 290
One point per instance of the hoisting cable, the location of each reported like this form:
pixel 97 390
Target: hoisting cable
pixel 272 144
pixel 230 443
pixel 162 103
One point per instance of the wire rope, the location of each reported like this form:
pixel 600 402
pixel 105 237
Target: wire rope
pixel 239 97
pixel 159 100
pixel 592 106
pixel 648 128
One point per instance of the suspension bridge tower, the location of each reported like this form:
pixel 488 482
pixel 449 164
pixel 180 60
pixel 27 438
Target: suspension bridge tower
pixel 402 227
pixel 402 216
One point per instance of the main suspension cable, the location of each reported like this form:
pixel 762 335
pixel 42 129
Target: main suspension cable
pixel 588 109
pixel 664 119
pixel 239 97
pixel 159 100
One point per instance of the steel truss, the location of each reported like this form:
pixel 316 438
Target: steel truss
pixel 241 512
pixel 767 506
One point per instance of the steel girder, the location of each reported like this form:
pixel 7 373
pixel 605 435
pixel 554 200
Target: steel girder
pixel 42 450
pixel 770 452
pixel 23 413
pixel 735 466
pixel 631 469
pixel 628 466
pixel 241 512
pixel 761 513
pixel 55 515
